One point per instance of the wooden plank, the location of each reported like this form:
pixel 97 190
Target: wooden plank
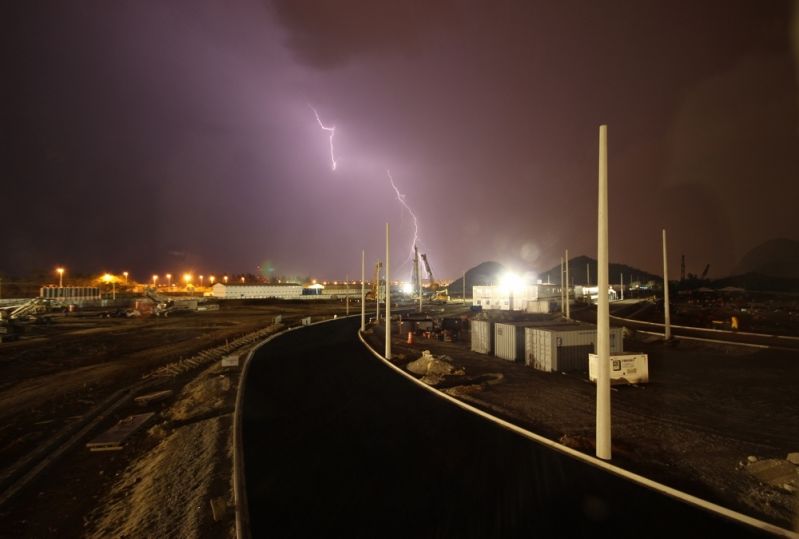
pixel 143 400
pixel 114 438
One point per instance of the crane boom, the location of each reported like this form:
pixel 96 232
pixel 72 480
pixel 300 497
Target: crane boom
pixel 428 270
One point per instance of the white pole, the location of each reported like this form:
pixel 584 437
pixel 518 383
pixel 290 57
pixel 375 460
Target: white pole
pixel 603 446
pixel 568 311
pixel 418 276
pixel 666 313
pixel 363 290
pixel 464 288
pixel 621 279
pixel 388 297
pixel 562 288
pixel 377 293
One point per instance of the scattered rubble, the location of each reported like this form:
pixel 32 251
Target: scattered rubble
pixel 433 369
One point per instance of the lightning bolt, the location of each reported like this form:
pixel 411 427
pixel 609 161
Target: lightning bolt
pixel 401 199
pixel 332 131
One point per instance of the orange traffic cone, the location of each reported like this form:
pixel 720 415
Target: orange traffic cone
pixel 410 337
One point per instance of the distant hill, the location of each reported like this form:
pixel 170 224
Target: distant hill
pixel 778 257
pixel 581 268
pixel 481 275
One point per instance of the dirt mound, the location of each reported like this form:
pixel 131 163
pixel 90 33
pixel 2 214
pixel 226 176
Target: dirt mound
pixel 433 369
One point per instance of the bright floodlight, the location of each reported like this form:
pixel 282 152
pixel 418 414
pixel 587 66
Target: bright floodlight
pixel 407 288
pixel 511 282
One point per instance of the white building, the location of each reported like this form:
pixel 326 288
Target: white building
pixel 591 293
pixel 256 291
pixel 517 298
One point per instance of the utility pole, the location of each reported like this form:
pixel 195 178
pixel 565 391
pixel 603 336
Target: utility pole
pixel 377 292
pixel 666 314
pixel 568 310
pixel 621 280
pixel 562 288
pixel 418 275
pixel 464 288
pixel 603 445
pixel 388 297
pixel 363 290
pixel 587 274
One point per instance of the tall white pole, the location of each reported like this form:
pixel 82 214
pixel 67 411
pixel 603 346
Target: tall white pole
pixel 562 288
pixel 568 311
pixel 666 313
pixel 363 290
pixel 377 293
pixel 621 281
pixel 418 276
pixel 388 297
pixel 464 288
pixel 603 447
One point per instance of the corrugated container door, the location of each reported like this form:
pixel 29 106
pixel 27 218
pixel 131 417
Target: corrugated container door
pixel 481 336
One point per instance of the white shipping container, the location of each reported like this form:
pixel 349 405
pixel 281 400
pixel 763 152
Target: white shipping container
pixel 624 368
pixel 482 336
pixel 509 341
pixel 565 347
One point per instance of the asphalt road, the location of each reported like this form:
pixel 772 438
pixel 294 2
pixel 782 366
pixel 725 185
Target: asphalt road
pixel 336 444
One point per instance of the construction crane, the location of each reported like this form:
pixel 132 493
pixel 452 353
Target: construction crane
pixel 374 291
pixel 432 283
pixel 438 295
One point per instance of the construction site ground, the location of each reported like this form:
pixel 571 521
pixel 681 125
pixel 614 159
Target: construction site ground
pixel 161 482
pixel 715 421
pixel 706 411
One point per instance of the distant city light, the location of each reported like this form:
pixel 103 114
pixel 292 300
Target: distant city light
pixel 407 288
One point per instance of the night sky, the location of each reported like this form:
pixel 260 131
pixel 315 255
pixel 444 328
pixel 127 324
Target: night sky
pixel 171 136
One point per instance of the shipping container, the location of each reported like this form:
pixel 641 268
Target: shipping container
pixel 509 341
pixel 482 336
pixel 565 347
pixel 624 368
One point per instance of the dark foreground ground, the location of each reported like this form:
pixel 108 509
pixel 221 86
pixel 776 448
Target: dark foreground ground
pixel 336 444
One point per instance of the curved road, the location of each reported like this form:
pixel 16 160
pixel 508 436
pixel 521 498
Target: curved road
pixel 336 444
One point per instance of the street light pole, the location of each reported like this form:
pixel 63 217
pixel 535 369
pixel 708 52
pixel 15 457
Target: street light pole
pixel 603 445
pixel 363 291
pixel 666 313
pixel 60 277
pixel 388 296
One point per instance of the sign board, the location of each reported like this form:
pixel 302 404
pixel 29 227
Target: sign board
pixel 278 319
pixel 306 321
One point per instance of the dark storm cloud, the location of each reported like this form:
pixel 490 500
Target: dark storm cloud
pixel 131 130
pixel 330 34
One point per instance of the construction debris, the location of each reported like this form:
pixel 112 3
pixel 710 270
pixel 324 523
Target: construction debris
pixel 144 400
pixel 114 438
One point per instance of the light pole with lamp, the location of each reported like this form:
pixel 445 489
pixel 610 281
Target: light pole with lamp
pixel 60 272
